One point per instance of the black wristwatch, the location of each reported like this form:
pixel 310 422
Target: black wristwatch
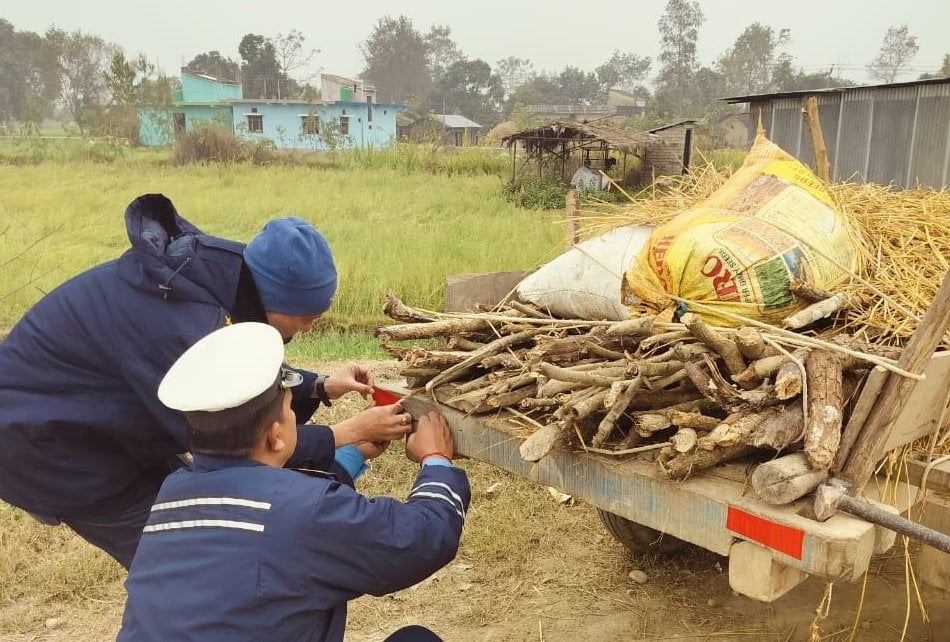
pixel 320 391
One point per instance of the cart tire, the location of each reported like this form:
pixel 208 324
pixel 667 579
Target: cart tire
pixel 640 539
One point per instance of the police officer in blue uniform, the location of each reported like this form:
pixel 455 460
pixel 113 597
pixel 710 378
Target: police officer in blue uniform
pixel 84 439
pixel 239 547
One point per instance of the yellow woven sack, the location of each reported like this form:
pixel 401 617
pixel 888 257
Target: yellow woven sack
pixel 737 251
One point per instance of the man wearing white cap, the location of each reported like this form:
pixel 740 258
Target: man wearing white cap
pixel 238 548
pixel 85 441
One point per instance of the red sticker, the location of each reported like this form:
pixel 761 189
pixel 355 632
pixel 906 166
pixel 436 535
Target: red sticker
pixel 383 398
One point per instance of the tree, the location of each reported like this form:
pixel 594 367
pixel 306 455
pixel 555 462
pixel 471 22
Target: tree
pixel 625 71
pixel 469 88
pixel 214 64
pixel 785 77
pixel 395 54
pixel 441 51
pixel 747 66
pixel 679 31
pixel 943 72
pixel 261 75
pixel 291 54
pixel 132 85
pixel 578 87
pixel 29 75
pixel 83 62
pixel 897 50
pixel 513 72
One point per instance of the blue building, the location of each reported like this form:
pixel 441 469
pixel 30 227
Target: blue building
pixel 346 117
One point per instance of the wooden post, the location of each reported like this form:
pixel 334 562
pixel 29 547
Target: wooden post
pixel 877 429
pixel 572 237
pixel 810 114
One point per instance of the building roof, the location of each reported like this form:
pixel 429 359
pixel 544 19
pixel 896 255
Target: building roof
pixel 550 136
pixel 684 122
pixel 455 121
pixel 196 73
pixel 830 90
pixel 343 80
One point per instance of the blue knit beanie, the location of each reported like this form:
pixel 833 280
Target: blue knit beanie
pixel 292 267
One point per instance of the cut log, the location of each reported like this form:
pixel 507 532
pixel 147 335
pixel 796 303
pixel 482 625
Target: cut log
pixel 620 403
pixel 682 466
pixel 442 328
pixel 735 429
pixel 760 369
pixel 639 327
pixel 788 378
pixel 684 440
pixel 825 407
pixel 512 398
pixel 586 378
pixel 722 345
pixel 458 370
pixel 543 441
pixel 780 427
pixel 399 311
pixel 751 345
pixel 817 311
pixel 787 478
pixel 695 420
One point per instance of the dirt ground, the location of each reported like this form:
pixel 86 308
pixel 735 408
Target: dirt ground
pixel 532 567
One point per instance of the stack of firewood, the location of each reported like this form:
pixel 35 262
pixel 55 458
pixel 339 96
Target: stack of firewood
pixel 690 394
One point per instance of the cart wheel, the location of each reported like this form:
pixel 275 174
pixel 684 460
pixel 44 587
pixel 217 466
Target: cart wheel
pixel 640 539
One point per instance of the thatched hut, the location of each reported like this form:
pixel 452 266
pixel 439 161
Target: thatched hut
pixel 566 145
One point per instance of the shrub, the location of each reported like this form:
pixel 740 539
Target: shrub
pixel 209 143
pixel 533 193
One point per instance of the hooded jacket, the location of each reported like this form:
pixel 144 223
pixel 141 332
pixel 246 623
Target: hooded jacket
pixel 82 430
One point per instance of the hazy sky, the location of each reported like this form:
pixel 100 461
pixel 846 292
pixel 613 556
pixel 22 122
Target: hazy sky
pixel 550 33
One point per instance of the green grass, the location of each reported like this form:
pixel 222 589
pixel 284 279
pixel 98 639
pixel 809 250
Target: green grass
pixel 390 230
pixel 334 344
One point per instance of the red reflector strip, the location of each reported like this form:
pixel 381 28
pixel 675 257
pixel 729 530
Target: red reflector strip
pixel 785 539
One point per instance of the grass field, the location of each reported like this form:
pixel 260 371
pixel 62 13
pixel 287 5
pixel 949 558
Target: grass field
pixel 390 229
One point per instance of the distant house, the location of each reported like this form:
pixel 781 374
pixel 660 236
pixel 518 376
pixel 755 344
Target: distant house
pixel 347 116
pixel 623 103
pixel 458 130
pixel 447 129
pixel 619 103
pixel 897 133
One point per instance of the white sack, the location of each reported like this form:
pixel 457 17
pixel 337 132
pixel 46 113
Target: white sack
pixel 584 282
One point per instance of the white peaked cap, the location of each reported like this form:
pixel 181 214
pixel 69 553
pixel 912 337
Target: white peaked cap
pixel 225 369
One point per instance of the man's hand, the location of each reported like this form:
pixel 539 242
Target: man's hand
pixel 350 378
pixel 372 449
pixel 431 437
pixel 377 423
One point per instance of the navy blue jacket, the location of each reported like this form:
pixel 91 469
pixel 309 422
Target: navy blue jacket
pixel 82 432
pixel 236 550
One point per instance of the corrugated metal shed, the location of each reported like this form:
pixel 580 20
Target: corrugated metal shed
pixel 897 133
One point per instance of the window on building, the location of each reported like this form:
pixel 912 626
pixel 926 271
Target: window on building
pixel 310 125
pixel 369 109
pixel 344 126
pixel 255 123
pixel 179 122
